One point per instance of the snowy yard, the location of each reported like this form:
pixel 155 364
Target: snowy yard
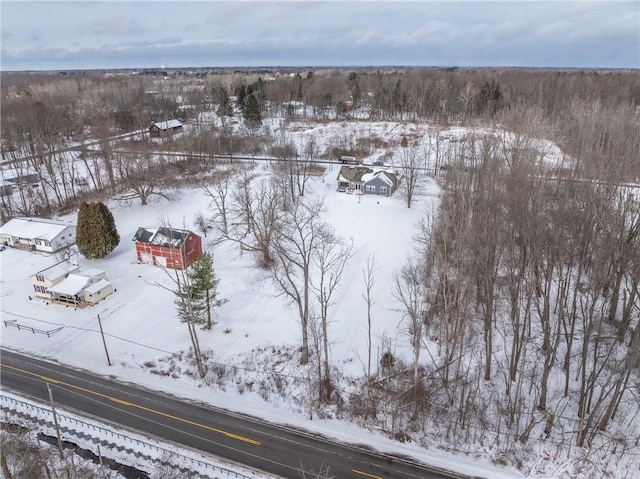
pixel 252 349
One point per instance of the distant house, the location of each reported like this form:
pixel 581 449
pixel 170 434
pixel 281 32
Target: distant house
pixel 362 179
pixel 38 234
pixel 25 180
pixel 163 128
pixel 167 247
pixel 64 283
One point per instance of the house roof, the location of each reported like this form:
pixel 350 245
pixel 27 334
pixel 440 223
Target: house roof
pixel 167 125
pixel 33 228
pixel 365 174
pixel 167 237
pixel 28 178
pixel 97 286
pixel 353 173
pixel 92 272
pixel 386 176
pixel 58 270
pixel 71 285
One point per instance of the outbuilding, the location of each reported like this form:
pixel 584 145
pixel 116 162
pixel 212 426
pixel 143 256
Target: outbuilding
pixel 167 247
pixel 162 128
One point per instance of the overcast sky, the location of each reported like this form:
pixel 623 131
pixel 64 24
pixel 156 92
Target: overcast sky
pixel 53 35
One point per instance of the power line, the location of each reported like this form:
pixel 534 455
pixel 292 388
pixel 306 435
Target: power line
pixel 448 410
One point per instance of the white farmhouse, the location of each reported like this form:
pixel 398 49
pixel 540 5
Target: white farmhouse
pixel 38 234
pixel 64 283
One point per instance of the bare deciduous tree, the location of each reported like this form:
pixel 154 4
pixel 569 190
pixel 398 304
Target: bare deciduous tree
pixel 409 291
pixel 330 260
pixel 143 177
pixel 299 237
pixel 411 163
pixel 368 273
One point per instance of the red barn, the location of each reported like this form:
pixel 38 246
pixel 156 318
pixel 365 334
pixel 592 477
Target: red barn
pixel 167 247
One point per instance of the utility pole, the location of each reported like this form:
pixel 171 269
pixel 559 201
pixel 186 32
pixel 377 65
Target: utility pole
pixel 310 396
pixel 101 464
pixel 55 420
pixel 104 342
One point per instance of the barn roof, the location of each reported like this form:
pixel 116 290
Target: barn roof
pixel 167 237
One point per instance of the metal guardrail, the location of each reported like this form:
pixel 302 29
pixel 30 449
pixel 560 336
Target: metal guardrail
pixel 108 438
pixel 13 323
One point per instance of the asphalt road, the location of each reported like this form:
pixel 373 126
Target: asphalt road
pixel 245 440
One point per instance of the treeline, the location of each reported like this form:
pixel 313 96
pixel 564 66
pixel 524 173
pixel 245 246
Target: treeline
pixel 591 115
pixel 446 95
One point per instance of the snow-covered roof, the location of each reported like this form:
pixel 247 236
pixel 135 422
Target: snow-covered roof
pixel 33 228
pixel 92 272
pixel 71 285
pixel 365 174
pixel 353 173
pixel 97 286
pixel 167 125
pixel 58 270
pixel 383 175
pixel 167 237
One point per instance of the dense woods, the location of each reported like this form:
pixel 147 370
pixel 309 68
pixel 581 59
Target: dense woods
pixel 524 289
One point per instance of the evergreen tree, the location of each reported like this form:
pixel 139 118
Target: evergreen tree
pixel 251 111
pixel 353 85
pixel 241 92
pixel 204 284
pixel 96 233
pixel 490 98
pixel 224 105
pixel 399 99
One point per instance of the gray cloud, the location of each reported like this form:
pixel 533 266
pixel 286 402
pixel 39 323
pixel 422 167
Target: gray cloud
pixel 116 25
pixel 130 34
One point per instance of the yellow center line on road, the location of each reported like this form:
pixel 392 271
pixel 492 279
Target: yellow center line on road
pixel 365 474
pixel 49 380
pixel 138 406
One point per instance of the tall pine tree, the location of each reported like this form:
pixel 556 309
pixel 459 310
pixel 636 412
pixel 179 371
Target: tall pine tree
pixel 204 284
pixel 251 111
pixel 96 233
